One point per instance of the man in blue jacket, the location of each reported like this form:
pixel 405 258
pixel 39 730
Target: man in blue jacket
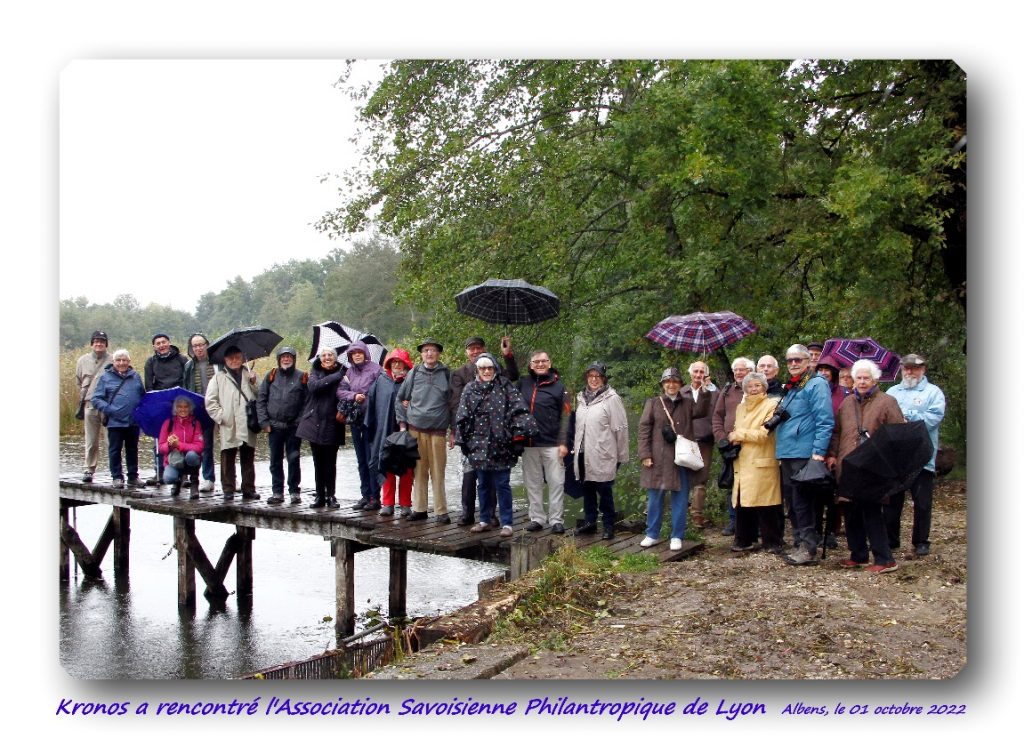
pixel 804 434
pixel 919 400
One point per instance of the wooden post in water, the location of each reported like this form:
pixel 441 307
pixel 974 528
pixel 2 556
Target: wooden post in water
pixel 121 518
pixel 396 583
pixel 64 553
pixel 344 586
pixel 184 530
pixel 243 561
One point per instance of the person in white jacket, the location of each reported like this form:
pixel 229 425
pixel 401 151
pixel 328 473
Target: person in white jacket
pixel 230 388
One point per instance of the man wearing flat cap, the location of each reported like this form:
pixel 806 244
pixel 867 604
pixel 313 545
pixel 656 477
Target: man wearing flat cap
pixel 462 376
pixel 919 400
pixel 422 407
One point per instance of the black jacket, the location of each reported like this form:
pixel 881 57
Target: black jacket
pixel 164 372
pixel 318 424
pixel 550 405
pixel 281 398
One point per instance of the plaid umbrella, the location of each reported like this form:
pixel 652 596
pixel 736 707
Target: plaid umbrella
pixel 701 333
pixel 255 342
pixel 845 351
pixel 507 301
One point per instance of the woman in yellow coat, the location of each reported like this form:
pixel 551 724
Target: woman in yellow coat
pixel 756 490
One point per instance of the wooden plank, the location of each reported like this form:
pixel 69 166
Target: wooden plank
pixel 243 561
pixel 344 587
pixel 99 551
pixel 183 527
pixel 398 575
pixel 527 554
pixel 63 552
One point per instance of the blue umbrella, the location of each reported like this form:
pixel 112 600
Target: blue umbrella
pixel 158 405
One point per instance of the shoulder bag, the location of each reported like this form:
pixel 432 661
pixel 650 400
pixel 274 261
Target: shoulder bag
pixel 687 451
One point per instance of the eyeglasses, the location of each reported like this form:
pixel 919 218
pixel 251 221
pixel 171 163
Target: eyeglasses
pixel 485 368
pixel 540 361
pixel 795 360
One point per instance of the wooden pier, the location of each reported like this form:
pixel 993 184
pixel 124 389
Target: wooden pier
pixel 348 531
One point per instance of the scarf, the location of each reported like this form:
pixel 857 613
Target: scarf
pixel 866 396
pixel 798 382
pixel 590 395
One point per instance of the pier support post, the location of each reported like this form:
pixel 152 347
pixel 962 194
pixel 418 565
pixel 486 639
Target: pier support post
pixel 64 553
pixel 526 554
pixel 397 582
pixel 121 518
pixel 344 586
pixel 184 531
pixel 243 560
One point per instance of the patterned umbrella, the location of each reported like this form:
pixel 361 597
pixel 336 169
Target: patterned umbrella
pixel 507 301
pixel 845 351
pixel 701 333
pixel 339 337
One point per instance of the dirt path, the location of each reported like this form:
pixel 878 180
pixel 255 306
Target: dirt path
pixel 751 616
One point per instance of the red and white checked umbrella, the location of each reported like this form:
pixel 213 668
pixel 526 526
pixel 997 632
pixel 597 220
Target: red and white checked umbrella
pixel 701 333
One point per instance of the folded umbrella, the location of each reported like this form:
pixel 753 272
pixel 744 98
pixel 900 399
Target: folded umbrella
pixel 254 342
pixel 887 462
pixel 157 406
pixel 399 453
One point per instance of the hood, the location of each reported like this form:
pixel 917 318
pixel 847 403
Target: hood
pixel 358 346
pixel 397 353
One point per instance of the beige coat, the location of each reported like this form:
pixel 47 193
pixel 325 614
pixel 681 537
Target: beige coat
pixel 88 370
pixel 756 471
pixel 227 408
pixel 602 433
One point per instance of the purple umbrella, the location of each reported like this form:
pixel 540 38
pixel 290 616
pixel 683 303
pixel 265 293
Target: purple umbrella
pixel 845 351
pixel 701 333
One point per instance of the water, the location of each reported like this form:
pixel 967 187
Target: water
pixel 112 629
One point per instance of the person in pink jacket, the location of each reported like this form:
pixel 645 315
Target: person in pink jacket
pixel 182 433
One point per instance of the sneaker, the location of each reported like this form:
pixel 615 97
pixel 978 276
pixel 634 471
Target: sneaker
pixel 506 531
pixel 480 527
pixel 608 534
pixel 361 505
pixel 851 564
pixel 585 529
pixel 647 542
pixel 87 478
pixel 737 548
pixel 332 503
pixel 533 526
pixel 404 511
pixel 676 544
pixel 418 515
pixel 883 568
pixel 387 511
pixel 802 557
pixel 206 485
pixel 117 483
pixel 558 529
pixel 922 549
pixel 275 499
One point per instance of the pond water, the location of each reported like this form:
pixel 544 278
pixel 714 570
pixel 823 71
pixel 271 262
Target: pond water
pixel 131 629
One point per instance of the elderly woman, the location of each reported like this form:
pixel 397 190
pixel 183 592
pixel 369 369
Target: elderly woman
pixel 351 393
pixel 859 416
pixel 829 369
pixel 319 425
pixel 601 445
pixel 699 403
pixel 491 427
pixel 227 393
pixel 756 489
pixel 663 418
pixel 118 392
pixel 181 447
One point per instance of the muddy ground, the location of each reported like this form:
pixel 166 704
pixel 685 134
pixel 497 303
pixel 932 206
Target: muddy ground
pixel 752 616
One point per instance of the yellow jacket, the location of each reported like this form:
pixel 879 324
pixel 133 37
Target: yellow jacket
pixel 756 471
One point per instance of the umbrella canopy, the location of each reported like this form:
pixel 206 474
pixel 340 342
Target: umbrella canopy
pixel 339 337
pixel 508 301
pixel 399 453
pixel 885 463
pixel 254 341
pixel 845 351
pixel 157 406
pixel 701 333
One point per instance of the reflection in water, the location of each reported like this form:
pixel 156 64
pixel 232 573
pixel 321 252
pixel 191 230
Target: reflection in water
pixel 115 629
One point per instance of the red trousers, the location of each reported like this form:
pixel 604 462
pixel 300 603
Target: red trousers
pixel 404 489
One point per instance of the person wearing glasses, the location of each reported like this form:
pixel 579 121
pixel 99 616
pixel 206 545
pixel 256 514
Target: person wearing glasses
pixel 198 373
pixel 551 407
pixel 803 424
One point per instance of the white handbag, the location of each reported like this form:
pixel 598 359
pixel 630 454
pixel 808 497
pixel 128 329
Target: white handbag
pixel 687 451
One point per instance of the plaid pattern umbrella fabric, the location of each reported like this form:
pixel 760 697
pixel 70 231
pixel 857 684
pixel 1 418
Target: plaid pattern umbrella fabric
pixel 507 301
pixel 701 333
pixel 848 350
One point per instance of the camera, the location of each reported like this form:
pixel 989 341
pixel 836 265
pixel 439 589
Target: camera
pixel 777 418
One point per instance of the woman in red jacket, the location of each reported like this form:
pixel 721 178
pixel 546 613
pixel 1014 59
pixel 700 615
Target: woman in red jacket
pixel 182 433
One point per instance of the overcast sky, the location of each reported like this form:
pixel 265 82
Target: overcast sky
pixel 178 175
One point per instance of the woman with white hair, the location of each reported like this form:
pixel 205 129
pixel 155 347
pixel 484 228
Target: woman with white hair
pixel 118 392
pixel 860 415
pixel 181 447
pixel 319 425
pixel 699 404
pixel 756 489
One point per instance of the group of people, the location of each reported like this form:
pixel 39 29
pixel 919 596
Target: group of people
pixel 766 428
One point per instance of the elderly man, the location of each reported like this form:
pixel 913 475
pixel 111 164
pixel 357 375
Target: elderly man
pixel 462 376
pixel 698 403
pixel 279 403
pixel 422 407
pixel 768 365
pixel 198 372
pixel 723 419
pixel 88 371
pixel 226 398
pixel 815 347
pixel 803 432
pixel 919 399
pixel 551 406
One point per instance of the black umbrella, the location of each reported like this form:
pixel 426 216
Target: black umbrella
pixel 507 301
pixel 255 342
pixel 399 453
pixel 888 461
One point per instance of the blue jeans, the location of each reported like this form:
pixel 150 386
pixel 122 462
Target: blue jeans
pixel 192 464
pixel 284 444
pixel 491 482
pixel 367 479
pixel 127 439
pixel 208 454
pixel 680 501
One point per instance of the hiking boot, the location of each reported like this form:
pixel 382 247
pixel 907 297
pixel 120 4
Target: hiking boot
pixel 533 526
pixel 802 557
pixel 922 549
pixel 332 503
pixel 883 568
pixel 647 542
pixel 676 544
pixel 319 503
pixel 276 499
pixel 506 531
pixel 609 534
pixel 585 529
pixel 413 516
pixel 404 511
pixel 386 511
pixel 444 519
